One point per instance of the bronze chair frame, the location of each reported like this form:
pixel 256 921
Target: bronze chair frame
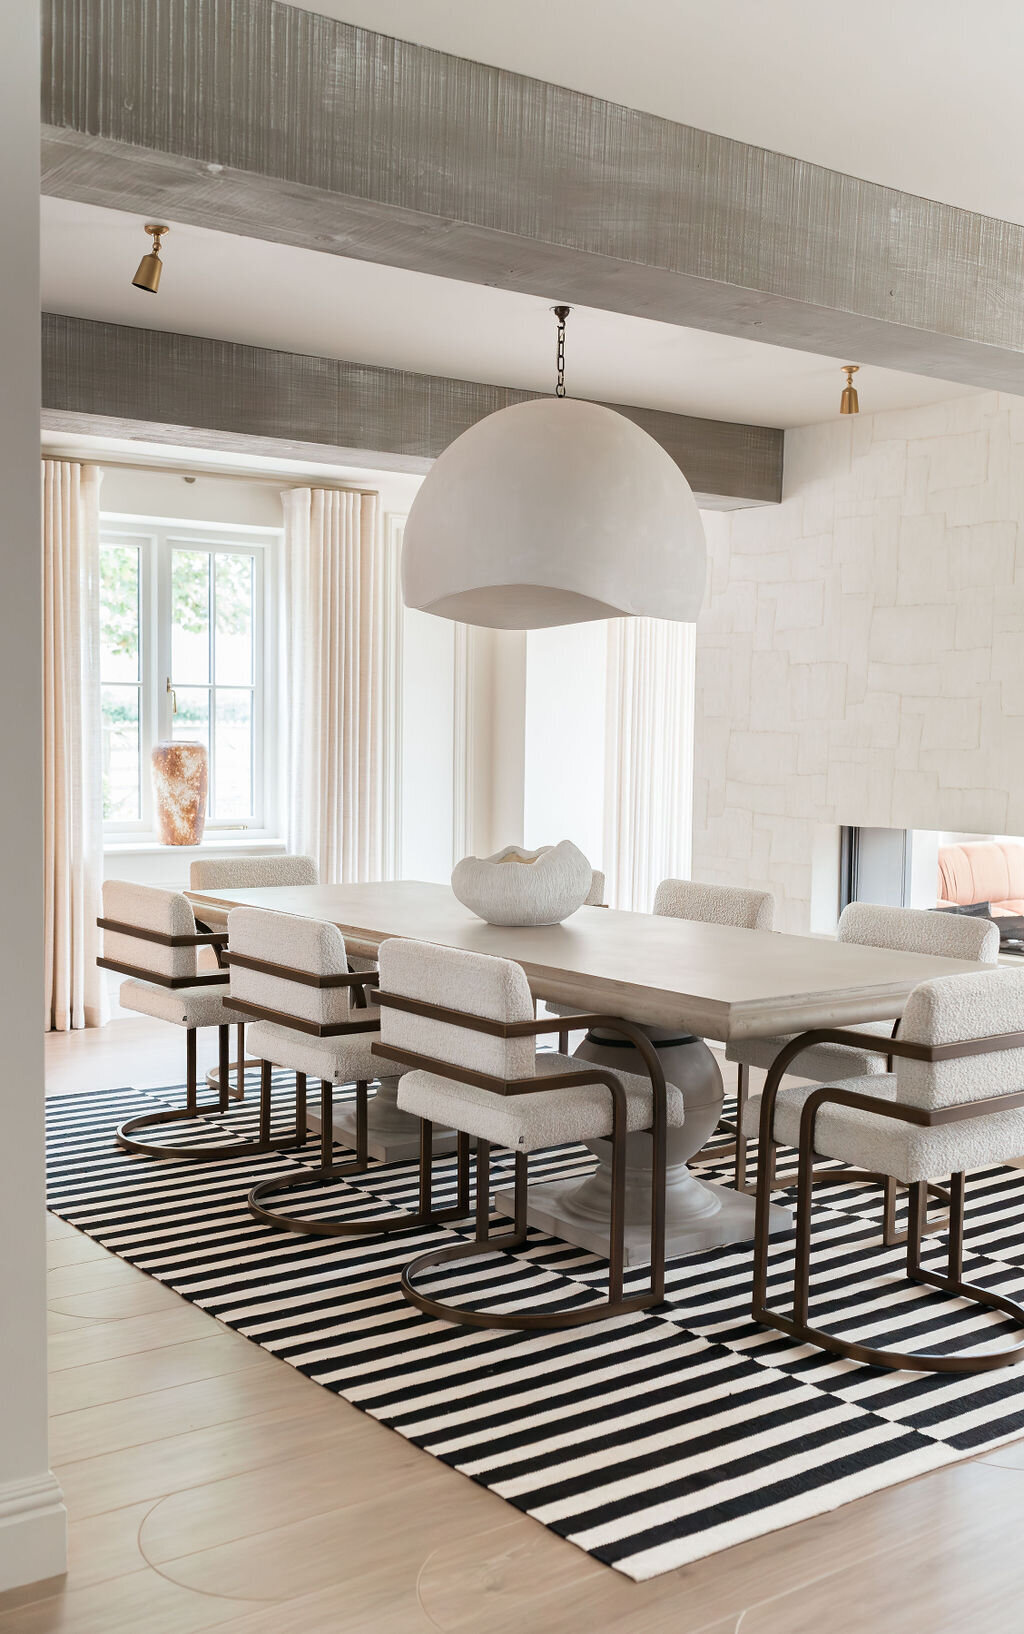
pixel 484 1243
pixel 328 1170
pixel 891 1235
pixel 797 1324
pixel 126 1133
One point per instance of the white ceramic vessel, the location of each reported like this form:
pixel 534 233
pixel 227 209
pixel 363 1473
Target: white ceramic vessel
pixel 519 887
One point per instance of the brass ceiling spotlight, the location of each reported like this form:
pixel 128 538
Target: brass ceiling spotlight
pixel 849 402
pixel 148 275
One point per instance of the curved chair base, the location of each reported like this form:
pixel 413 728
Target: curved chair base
pixel 329 1171
pixel 335 1228
pixel 240 1146
pixel 913 1361
pixel 798 1327
pixel 484 1243
pixel 528 1320
pixel 125 1137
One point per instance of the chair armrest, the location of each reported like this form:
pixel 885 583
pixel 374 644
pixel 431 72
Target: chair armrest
pixel 205 938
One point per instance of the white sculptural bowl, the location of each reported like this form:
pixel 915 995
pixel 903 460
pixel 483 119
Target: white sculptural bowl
pixel 518 887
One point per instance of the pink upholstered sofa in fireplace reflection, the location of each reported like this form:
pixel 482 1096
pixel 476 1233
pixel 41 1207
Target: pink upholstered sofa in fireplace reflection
pixel 983 871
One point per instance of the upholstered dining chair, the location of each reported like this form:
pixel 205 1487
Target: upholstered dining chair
pixel 906 930
pixel 744 909
pixel 308 1013
pixel 150 936
pixel 463 1024
pixel 954 1103
pixel 238 873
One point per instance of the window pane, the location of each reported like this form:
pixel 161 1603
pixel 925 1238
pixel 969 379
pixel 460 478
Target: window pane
pixel 120 712
pixel 233 753
pixel 191 724
pixel 233 577
pixel 119 613
pixel 190 617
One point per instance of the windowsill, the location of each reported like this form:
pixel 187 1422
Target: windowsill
pixel 144 845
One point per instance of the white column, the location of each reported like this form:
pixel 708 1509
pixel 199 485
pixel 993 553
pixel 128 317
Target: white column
pixel 32 1515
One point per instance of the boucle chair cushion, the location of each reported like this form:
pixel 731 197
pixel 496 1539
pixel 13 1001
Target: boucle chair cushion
pixel 886 1146
pixel 919 930
pixel 169 912
pixel 311 945
pixel 905 930
pixel 475 983
pixel 822 1061
pixel 238 873
pixel 715 904
pixel 344 1059
pixel 185 1006
pixel 529 1123
pixel 954 1008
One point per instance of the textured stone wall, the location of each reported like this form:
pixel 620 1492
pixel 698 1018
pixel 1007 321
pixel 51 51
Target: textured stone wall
pixel 860 658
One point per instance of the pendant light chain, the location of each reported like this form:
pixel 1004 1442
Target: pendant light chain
pixel 561 313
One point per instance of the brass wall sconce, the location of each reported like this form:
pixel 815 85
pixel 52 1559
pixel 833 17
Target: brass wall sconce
pixel 849 403
pixel 150 267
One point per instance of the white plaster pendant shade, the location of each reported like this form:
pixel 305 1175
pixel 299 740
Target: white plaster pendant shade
pixel 519 887
pixel 554 511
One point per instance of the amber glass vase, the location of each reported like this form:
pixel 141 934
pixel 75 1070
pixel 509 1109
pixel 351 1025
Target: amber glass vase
pixel 179 792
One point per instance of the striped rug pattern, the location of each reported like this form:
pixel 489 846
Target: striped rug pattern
pixel 650 1441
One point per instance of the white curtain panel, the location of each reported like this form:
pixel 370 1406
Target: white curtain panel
pixel 648 821
pixel 335 605
pixel 72 744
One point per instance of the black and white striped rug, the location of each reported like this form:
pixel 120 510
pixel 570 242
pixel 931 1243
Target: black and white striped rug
pixel 649 1441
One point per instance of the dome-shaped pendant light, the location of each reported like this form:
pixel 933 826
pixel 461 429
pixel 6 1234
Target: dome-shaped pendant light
pixel 554 511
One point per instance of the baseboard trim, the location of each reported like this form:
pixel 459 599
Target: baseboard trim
pixel 33 1530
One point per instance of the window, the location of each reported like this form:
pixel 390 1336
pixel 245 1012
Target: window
pixel 182 657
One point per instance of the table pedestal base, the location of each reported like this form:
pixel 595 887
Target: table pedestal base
pixel 715 1215
pixel 698 1215
pixel 392 1136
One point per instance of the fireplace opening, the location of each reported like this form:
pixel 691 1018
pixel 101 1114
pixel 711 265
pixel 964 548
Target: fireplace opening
pixel 980 874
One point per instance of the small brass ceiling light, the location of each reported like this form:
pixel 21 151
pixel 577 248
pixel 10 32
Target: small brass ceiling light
pixel 148 275
pixel 849 402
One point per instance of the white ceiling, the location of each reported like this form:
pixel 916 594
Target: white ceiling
pixel 273 295
pixel 923 95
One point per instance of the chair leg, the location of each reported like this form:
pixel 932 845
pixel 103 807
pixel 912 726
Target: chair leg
pixel 483 1190
pixel 301 1122
pixel 266 1100
pixel 742 1095
pixel 223 1066
pixel 957 1200
pixel 462 1182
pixel 426 1166
pixel 240 1064
pixel 326 1124
pixel 362 1138
pixel 191 1087
pixel 563 1041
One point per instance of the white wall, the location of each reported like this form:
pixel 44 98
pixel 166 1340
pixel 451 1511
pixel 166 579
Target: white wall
pixel 861 653
pixel 32 1516
pixel 202 499
pixel 564 792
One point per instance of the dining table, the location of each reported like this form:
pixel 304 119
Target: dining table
pixel 682 981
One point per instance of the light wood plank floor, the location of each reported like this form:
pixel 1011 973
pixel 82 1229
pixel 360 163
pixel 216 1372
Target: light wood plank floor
pixel 212 1487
